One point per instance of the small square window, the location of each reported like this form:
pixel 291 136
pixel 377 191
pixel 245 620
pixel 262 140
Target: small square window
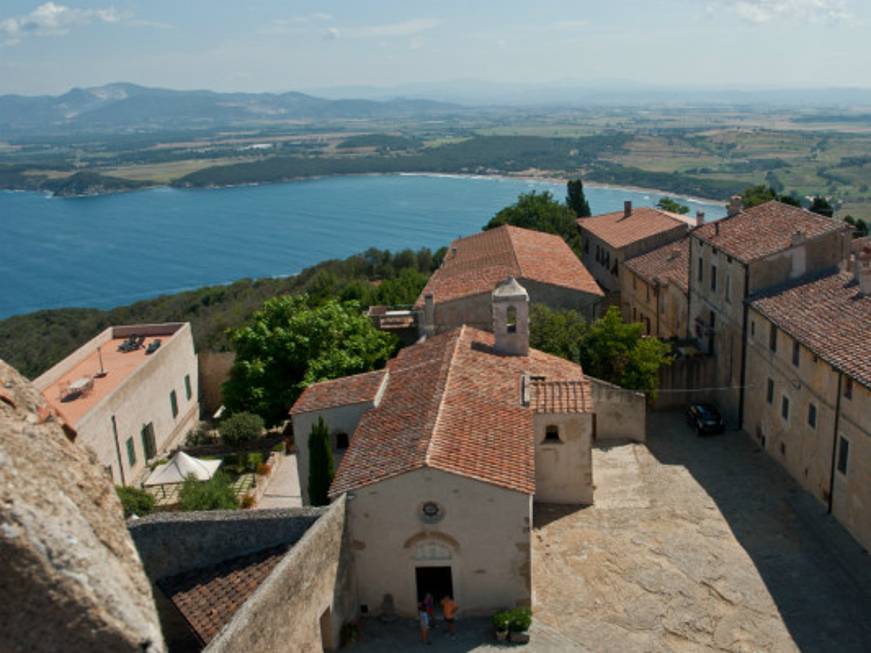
pixel 843 454
pixel 784 407
pixel 551 434
pixel 342 441
pixel 812 416
pixel 769 393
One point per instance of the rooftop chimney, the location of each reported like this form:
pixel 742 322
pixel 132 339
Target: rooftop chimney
pixel 700 218
pixel 797 237
pixel 511 318
pixel 736 205
pixel 627 208
pixel 862 270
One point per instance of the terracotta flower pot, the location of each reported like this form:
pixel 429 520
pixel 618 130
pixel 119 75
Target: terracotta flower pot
pixel 501 635
pixel 519 638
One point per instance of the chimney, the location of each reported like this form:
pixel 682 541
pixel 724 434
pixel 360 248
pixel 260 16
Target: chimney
pixel 627 208
pixel 797 238
pixel 862 270
pixel 736 205
pixel 453 252
pixel 700 218
pixel 510 305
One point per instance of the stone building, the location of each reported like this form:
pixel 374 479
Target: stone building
pixel 808 402
pixel 654 287
pixel 128 400
pixel 448 448
pixel 610 239
pixel 459 291
pixel 746 252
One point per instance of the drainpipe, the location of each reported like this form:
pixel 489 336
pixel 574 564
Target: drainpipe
pixel 118 450
pixel 835 445
pixel 743 348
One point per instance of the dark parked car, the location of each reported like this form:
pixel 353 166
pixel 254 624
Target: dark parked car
pixel 705 419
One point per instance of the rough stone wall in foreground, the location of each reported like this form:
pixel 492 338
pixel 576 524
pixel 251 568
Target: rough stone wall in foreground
pixel 70 577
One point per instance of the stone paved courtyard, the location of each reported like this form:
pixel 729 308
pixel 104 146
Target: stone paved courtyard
pixel 694 544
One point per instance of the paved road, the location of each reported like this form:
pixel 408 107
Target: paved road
pixel 283 489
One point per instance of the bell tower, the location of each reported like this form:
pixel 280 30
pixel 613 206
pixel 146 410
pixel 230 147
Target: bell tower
pixel 511 318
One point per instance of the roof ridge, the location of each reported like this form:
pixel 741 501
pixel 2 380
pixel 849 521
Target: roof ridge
pixel 518 268
pixel 443 392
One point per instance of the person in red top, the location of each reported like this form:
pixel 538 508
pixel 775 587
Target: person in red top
pixel 449 610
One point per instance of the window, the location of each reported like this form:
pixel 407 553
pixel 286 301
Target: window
pixel 783 448
pixel 551 434
pixel 701 269
pixel 728 288
pixel 634 282
pixel 173 402
pixel 131 452
pixel 769 394
pixel 848 388
pixel 772 338
pixel 713 278
pixel 511 319
pixel 149 445
pixel 812 416
pixel 752 328
pixel 187 387
pixel 342 441
pixel 784 407
pixel 728 259
pixel 843 454
pixel 796 353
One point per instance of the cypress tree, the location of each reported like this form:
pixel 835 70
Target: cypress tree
pixel 575 198
pixel 320 463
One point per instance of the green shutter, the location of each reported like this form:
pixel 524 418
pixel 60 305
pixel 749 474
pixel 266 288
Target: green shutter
pixel 131 452
pixel 173 400
pixel 187 386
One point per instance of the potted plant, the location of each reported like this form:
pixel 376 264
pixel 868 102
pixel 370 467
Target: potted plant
pixel 520 620
pixel 502 622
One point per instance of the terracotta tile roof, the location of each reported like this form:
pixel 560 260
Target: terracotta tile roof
pixel 618 231
pixel 765 229
pixel 355 389
pixel 560 397
pixel 452 403
pixel 666 264
pixel 829 316
pixel 484 259
pixel 209 597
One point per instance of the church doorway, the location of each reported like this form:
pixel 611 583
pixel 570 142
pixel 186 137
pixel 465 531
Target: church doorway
pixel 434 580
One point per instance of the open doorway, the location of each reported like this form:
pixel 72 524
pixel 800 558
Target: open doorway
pixel 434 580
pixel 326 623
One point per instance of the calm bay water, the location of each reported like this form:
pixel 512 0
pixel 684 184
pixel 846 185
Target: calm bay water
pixel 115 249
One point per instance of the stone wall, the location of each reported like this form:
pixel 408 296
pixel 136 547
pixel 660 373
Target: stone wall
pixel 687 379
pixel 302 605
pixel 70 577
pixel 620 413
pixel 214 367
pixel 170 543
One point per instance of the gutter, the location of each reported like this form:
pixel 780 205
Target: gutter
pixel 834 445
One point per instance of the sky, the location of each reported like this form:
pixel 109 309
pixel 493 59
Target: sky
pixel 270 45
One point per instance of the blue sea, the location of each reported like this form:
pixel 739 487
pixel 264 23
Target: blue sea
pixel 115 249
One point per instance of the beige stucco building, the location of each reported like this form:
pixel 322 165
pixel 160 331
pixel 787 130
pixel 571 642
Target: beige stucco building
pixel 449 447
pixel 653 290
pixel 736 257
pixel 459 291
pixel 610 239
pixel 809 388
pixel 128 407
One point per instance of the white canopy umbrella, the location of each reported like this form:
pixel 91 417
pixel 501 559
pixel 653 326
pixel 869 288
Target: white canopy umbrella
pixel 180 468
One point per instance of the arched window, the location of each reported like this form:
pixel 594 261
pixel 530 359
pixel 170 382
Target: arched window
pixel 511 319
pixel 342 441
pixel 551 434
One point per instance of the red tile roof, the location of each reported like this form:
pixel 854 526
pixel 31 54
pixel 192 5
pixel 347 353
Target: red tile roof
pixel 765 229
pixel 355 389
pixel 618 231
pixel 829 316
pixel 453 404
pixel 209 597
pixel 666 264
pixel 560 397
pixel 487 258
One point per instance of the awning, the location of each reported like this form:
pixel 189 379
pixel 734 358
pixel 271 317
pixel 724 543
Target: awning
pixel 180 468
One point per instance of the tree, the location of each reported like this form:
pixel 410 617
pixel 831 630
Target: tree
pixel 557 332
pixel 320 467
pixel 240 427
pixel 542 212
pixel 575 198
pixel 135 501
pixel 860 227
pixel 755 195
pixel 290 344
pixel 215 494
pixel 821 205
pixel 668 204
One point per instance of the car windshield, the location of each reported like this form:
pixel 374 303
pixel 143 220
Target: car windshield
pixel 706 412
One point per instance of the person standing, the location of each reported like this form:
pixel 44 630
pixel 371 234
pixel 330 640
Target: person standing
pixel 449 610
pixel 423 616
pixel 429 604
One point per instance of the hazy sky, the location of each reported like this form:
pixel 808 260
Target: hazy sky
pixel 271 45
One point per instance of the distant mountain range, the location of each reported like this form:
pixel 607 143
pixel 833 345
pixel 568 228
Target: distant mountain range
pixel 117 106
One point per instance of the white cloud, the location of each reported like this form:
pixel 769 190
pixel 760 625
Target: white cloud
pixel 51 19
pixel 765 11
pixel 331 34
